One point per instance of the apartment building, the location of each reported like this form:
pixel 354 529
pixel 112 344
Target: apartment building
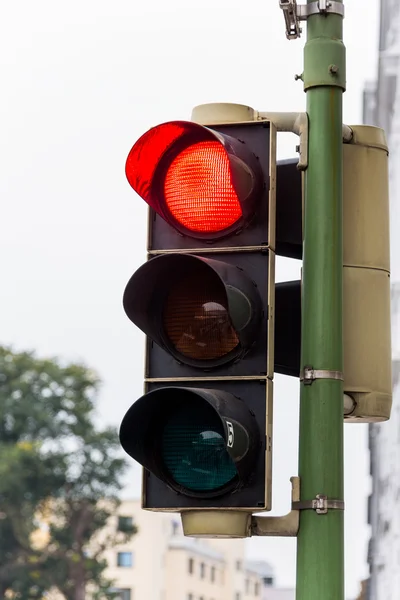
pixel 159 563
pixel 267 576
pixel 382 108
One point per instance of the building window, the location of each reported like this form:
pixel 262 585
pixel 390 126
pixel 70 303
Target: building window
pixel 247 586
pixel 125 559
pixel 212 574
pixel 190 597
pixel 237 596
pixel 125 524
pixel 256 588
pixel 123 594
pixel 268 580
pixel 175 527
pixel 238 565
pixel 202 570
pixel 191 565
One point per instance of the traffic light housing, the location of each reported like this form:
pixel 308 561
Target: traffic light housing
pixel 205 300
pixel 218 327
pixel 366 277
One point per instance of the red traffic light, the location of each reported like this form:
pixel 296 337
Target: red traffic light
pixel 203 183
pixel 202 311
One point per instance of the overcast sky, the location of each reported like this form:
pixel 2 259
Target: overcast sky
pixel 81 81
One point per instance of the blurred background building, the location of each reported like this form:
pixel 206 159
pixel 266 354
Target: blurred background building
pixel 382 108
pixel 159 563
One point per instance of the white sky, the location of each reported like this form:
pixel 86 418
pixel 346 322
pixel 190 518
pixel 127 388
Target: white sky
pixel 81 81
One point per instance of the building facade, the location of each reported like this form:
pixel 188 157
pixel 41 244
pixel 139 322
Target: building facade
pixel 382 108
pixel 159 563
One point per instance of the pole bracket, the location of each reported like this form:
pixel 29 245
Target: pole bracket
pixel 294 13
pixel 308 375
pixel 321 504
pixel 285 526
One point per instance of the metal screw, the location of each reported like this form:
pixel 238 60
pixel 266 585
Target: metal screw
pixel 297 77
pixel 333 69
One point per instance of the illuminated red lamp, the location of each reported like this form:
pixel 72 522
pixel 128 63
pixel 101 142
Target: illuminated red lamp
pixel 203 183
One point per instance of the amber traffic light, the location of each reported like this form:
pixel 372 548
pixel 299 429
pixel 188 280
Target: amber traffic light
pixel 204 312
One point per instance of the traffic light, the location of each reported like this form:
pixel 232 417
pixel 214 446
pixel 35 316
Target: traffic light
pixel 205 300
pixel 366 276
pixel 217 327
pixel 366 279
pixel 201 182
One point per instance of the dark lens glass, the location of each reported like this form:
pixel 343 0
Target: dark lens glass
pixel 196 318
pixel 194 448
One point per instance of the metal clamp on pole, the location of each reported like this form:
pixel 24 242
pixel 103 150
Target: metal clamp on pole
pixel 321 504
pixel 294 13
pixel 308 375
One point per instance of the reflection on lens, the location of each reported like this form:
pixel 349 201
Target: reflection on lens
pixel 196 319
pixel 194 449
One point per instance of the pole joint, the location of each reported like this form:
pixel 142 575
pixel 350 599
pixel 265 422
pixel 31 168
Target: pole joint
pixel 308 375
pixel 321 504
pixel 294 13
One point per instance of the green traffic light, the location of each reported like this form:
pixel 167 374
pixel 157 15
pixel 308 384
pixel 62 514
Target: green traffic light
pixel 202 443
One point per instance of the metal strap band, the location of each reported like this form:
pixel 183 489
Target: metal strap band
pixel 321 6
pixel 321 504
pixel 308 375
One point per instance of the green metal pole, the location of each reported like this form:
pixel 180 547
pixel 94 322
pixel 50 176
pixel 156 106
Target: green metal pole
pixel 320 544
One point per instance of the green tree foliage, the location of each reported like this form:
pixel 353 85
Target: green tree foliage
pixel 60 478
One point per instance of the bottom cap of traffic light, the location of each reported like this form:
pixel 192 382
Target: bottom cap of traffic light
pixel 202 311
pixel 202 443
